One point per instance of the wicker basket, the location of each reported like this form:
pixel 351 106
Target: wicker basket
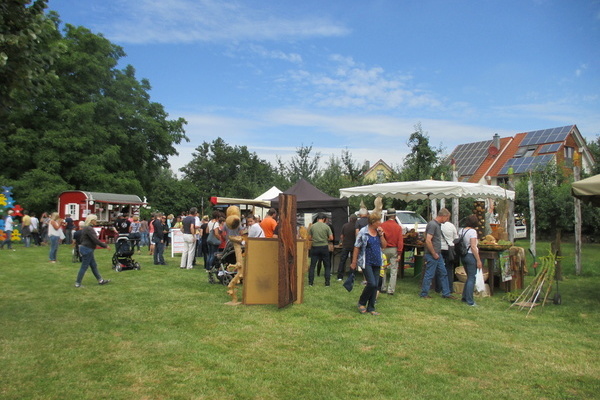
pixel 461 274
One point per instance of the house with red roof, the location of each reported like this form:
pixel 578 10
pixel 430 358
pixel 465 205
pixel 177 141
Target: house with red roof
pixel 491 161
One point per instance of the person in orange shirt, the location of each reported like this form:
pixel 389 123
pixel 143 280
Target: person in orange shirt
pixel 269 223
pixel 393 249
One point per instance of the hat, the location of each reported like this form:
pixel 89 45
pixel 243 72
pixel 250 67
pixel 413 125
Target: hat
pixel 391 212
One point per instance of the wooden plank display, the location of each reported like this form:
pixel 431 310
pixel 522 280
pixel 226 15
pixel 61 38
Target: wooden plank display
pixel 287 286
pixel 261 271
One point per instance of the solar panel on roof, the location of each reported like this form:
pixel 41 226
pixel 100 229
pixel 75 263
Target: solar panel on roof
pixel 470 156
pixel 550 148
pixel 546 136
pixel 526 164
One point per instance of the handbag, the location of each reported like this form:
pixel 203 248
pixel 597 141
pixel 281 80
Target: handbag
pixel 212 239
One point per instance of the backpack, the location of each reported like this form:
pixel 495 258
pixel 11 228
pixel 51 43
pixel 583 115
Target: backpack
pixel 460 250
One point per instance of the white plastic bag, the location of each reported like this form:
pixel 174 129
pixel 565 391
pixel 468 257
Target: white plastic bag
pixel 479 283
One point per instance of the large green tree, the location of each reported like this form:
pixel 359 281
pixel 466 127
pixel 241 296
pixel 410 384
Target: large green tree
pixel 28 49
pixel 94 128
pixel 303 165
pixel 218 169
pixel 423 161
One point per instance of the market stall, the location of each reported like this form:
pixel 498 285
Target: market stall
pixel 433 189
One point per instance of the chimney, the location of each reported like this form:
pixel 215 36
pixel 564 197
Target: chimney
pixel 367 165
pixel 496 141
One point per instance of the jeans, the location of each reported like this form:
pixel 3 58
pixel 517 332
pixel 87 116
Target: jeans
pixel 392 255
pixel 369 293
pixel 449 271
pixel 87 260
pixel 7 241
pixel 144 239
pixel 471 269
pixel 319 253
pixel 343 258
pixel 431 267
pixel 212 249
pixel 189 248
pixel 68 236
pixel 159 249
pixel 53 247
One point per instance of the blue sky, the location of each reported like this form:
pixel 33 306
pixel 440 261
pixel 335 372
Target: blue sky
pixel 275 75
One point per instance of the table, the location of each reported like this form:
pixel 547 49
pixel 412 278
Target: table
pixel 407 247
pixel 490 256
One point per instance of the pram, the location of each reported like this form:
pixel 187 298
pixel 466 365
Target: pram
pixel 220 271
pixel 122 258
pixel 76 255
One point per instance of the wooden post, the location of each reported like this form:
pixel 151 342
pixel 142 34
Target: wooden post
pixel 576 176
pixel 455 216
pixel 510 212
pixel 531 222
pixel 287 288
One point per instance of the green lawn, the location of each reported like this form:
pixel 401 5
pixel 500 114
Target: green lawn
pixel 165 333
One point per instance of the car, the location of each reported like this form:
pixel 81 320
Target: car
pixel 409 220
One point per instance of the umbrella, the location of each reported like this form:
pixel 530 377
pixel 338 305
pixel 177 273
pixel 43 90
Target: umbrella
pixel 587 190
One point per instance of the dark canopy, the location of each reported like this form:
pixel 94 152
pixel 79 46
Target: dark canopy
pixel 310 199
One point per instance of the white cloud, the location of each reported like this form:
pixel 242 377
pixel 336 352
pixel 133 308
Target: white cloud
pixel 189 21
pixel 348 84
pixel 275 54
pixel 579 71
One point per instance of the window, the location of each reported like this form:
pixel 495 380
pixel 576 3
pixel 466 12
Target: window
pixel 73 209
pixel 569 151
pixel 380 175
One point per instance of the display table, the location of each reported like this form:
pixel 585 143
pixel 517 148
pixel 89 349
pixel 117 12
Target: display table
pixel 490 256
pixel 412 248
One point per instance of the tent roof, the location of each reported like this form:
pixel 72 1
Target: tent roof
pixel 587 190
pixel 111 198
pixel 231 201
pixel 429 189
pixel 269 194
pixel 309 197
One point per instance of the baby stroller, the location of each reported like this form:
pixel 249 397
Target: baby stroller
pixel 220 271
pixel 122 258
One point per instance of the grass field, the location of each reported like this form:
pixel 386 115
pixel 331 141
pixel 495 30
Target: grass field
pixel 165 333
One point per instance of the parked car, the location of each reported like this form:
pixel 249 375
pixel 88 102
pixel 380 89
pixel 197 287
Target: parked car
pixel 408 219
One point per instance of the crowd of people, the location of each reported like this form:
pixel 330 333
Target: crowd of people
pixel 372 246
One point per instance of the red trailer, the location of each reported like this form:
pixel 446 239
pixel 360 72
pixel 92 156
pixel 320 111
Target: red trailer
pixel 105 205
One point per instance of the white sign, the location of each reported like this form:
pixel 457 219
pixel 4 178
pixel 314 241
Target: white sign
pixel 176 242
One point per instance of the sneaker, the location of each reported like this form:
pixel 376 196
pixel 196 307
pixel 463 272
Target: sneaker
pixel 473 305
pixel 339 279
pixel 450 297
pixel 103 281
pixel 78 284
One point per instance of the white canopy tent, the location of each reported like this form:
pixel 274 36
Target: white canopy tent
pixel 434 190
pixel 429 189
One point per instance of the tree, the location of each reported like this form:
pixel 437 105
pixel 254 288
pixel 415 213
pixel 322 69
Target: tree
pixel 301 166
pixel 594 148
pixel 28 49
pixel 423 161
pixel 94 128
pixel 218 169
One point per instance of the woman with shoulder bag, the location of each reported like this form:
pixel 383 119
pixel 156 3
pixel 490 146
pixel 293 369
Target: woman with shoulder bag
pixel 471 261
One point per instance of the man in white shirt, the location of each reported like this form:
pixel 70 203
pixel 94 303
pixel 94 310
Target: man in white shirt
pixel 8 227
pixel 254 229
